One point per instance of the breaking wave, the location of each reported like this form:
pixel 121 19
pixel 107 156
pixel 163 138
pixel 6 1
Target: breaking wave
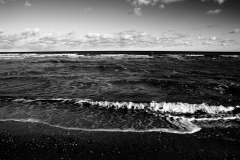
pixel 105 116
pixel 156 107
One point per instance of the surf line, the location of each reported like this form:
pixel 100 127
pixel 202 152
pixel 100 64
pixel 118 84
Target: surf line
pixel 190 130
pixel 162 107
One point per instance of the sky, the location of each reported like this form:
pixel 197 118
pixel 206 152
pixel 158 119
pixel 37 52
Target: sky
pixel 156 25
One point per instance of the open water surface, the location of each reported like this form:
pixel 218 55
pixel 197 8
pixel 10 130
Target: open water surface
pixel 121 93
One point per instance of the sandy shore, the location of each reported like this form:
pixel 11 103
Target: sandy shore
pixel 38 141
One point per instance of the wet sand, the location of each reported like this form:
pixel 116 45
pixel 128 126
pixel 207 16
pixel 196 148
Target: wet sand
pixel 20 140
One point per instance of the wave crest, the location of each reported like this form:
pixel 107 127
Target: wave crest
pixel 163 107
pixel 156 107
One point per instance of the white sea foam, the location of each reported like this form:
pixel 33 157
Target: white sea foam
pixel 157 107
pixel 194 55
pixel 177 56
pixel 233 56
pixel 11 56
pixel 214 118
pixel 164 107
pixel 34 55
pixel 123 56
pixel 188 128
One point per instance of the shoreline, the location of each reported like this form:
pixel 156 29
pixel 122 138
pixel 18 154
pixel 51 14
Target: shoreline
pixel 95 52
pixel 23 140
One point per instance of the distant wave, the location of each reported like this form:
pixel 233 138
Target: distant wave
pixel 98 56
pixel 215 118
pixel 104 56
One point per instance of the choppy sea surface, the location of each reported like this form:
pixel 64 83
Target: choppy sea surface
pixel 121 93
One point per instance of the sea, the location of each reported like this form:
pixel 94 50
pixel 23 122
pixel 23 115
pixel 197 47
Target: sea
pixel 108 92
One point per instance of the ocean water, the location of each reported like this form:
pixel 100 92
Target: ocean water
pixel 121 93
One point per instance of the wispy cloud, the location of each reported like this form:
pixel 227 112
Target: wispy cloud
pixel 218 1
pixel 86 10
pixel 136 11
pixel 200 38
pixel 31 32
pixel 208 43
pixel 235 31
pixel 212 26
pixel 28 4
pixel 162 6
pixel 216 11
pixel 4 1
pixel 152 2
pixel 139 2
pixel 93 35
pixel 213 38
pixel 170 1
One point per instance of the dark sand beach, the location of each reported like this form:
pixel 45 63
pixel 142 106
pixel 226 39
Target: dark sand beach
pixel 38 141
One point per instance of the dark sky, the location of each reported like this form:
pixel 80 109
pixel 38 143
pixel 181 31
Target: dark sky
pixel 191 25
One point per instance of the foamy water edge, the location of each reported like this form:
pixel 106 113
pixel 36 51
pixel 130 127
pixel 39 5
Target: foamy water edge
pixel 167 130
